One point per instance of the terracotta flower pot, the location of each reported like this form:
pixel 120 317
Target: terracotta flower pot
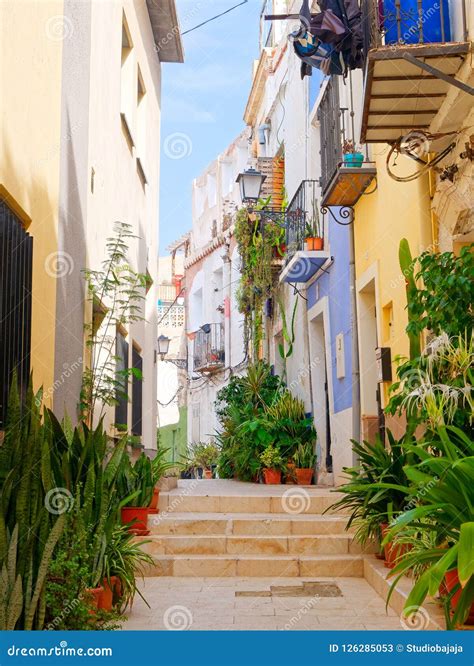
pixel 155 498
pixel 107 596
pixel 290 474
pixel 208 473
pixel 304 476
pixel 272 476
pixel 138 517
pixel 392 553
pixel 95 596
pixel 451 579
pixel 314 243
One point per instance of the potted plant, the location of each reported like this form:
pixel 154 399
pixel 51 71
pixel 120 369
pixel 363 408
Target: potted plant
pixel 124 562
pixel 206 457
pixel 444 471
pixel 135 487
pixel 158 469
pixel 272 462
pixel 352 157
pixel 305 460
pixel 376 488
pixel 313 234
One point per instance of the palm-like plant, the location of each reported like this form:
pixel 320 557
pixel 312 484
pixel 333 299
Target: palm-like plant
pixel 375 490
pixel 444 509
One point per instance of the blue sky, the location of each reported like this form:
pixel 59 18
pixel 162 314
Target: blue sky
pixel 203 101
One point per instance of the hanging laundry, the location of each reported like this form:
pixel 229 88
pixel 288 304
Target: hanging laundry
pixel 331 40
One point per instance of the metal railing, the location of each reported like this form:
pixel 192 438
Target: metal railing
pixel 209 348
pixel 16 266
pixel 392 22
pixel 302 209
pixel 329 116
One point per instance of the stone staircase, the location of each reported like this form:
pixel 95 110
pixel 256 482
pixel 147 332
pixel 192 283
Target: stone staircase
pixel 226 528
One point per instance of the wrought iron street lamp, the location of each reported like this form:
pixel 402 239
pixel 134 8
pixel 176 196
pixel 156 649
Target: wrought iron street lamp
pixel 250 182
pixel 163 349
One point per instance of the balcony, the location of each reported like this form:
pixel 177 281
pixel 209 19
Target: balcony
pixel 341 185
pixel 302 260
pixel 413 53
pixel 209 349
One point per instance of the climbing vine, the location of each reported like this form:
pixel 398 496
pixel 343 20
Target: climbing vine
pixel 260 241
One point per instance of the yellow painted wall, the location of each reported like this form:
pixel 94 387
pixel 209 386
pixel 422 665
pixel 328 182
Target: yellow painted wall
pixel 394 211
pixel 31 36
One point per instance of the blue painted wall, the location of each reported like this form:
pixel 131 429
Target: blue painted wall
pixel 335 284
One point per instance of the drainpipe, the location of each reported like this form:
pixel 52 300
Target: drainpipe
pixel 355 342
pixel 227 279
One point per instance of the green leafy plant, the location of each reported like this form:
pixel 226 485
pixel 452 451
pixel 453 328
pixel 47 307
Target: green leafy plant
pixel 271 458
pixel 304 456
pixel 116 293
pixel 126 559
pixel 135 483
pixel 288 332
pixel 443 466
pixel 407 266
pixel 206 455
pixel 376 489
pixel 437 388
pixel 444 301
pixel 313 224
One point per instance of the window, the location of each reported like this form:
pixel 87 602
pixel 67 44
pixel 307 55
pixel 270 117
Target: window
pixel 16 255
pixel 137 392
pixel 121 353
pixel 127 84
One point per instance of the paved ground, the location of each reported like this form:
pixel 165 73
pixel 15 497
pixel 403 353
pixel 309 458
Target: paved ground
pixel 218 604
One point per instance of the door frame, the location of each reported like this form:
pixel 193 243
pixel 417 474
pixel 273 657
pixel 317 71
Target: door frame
pixel 318 315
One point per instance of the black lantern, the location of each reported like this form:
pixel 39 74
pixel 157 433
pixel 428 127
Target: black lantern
pixel 163 346
pixel 250 182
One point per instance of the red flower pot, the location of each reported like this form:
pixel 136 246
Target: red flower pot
pixel 94 595
pixel 208 473
pixel 392 553
pixel 304 476
pixel 451 579
pixel 314 243
pixel 107 596
pixel 155 498
pixel 272 476
pixel 138 517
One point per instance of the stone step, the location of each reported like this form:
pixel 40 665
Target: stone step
pixel 257 565
pixel 291 500
pixel 258 524
pixel 341 544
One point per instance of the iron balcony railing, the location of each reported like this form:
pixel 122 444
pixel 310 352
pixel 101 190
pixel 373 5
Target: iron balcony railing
pixel 391 22
pixel 209 348
pixel 302 211
pixel 332 133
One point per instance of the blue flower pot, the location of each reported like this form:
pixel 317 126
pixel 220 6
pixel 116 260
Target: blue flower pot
pixel 354 160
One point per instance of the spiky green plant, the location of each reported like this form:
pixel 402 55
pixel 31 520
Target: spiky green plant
pixel 407 265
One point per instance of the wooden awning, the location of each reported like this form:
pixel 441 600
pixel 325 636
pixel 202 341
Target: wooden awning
pixel 400 96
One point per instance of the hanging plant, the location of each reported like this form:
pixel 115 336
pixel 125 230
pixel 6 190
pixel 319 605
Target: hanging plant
pixel 259 240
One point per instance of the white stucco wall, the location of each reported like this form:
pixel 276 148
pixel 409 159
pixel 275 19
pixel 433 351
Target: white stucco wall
pixel 118 192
